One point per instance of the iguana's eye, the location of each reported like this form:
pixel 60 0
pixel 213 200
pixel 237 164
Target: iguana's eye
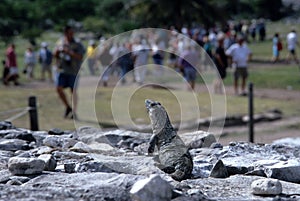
pixel 158 103
pixel 153 104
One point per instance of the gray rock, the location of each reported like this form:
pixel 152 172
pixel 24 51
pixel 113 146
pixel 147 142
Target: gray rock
pixel 59 142
pixel 25 166
pixel 13 145
pixel 94 166
pixel 114 138
pixel 22 135
pixel 219 170
pixel 39 136
pixel 79 186
pixel 288 141
pixel 4 176
pixel 69 167
pixel 137 165
pixel 284 170
pixel 198 139
pixel 56 131
pixel 152 188
pixel 4 125
pixel 81 147
pixel 18 180
pixel 266 187
pixel 50 162
pixel 65 155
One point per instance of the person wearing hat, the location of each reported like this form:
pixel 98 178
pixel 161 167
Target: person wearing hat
pixel 45 59
pixel 240 54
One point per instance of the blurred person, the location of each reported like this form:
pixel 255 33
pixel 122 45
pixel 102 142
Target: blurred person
pixel 188 60
pixel 29 61
pixel 11 65
pixel 125 61
pixel 158 54
pixel 220 59
pixel 276 47
pixel 91 56
pixel 105 59
pixel 45 59
pixel 292 42
pixel 140 54
pixel 240 54
pixel 69 54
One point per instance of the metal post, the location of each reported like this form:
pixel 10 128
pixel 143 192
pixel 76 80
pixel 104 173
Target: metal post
pixel 33 114
pixel 250 108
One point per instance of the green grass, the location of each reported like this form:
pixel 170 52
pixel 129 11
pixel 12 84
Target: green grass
pixel 51 110
pixel 277 76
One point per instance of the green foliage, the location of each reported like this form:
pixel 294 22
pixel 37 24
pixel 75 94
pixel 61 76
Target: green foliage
pixel 114 16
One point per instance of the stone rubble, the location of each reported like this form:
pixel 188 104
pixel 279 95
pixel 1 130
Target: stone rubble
pixel 266 187
pixel 90 164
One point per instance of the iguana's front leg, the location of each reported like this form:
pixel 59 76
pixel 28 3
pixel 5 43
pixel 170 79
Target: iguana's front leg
pixel 152 143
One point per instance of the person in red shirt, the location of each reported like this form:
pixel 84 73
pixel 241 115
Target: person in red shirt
pixel 11 64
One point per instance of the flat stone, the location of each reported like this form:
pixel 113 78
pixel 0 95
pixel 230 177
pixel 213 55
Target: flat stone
pixel 266 187
pixel 25 166
pixel 13 145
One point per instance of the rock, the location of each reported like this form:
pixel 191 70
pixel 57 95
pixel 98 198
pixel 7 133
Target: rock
pixel 56 131
pixel 39 136
pixel 81 147
pixel 295 142
pixel 94 166
pixel 4 176
pixel 198 139
pixel 4 125
pixel 284 170
pixel 18 180
pixel 59 142
pixel 152 188
pixel 25 166
pixel 13 145
pixel 266 187
pixel 77 186
pixel 69 167
pixel 4 157
pixel 216 145
pixel 137 165
pixel 114 138
pixel 50 162
pixel 25 135
pixel 219 170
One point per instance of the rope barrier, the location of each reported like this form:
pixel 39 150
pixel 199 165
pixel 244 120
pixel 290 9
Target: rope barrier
pixel 12 111
pixel 31 109
pixel 24 112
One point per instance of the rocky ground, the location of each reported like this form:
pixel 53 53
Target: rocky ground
pixel 89 164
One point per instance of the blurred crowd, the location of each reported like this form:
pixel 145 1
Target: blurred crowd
pixel 172 48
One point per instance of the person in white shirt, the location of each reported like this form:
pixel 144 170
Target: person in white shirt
pixel 240 54
pixel 141 53
pixel 292 42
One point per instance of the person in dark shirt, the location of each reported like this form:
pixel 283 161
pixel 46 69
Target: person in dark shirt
pixel 221 63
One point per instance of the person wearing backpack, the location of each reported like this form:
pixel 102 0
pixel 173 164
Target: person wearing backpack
pixel 45 59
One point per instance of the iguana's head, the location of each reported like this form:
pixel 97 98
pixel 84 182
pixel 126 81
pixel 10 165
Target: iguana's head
pixel 157 114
